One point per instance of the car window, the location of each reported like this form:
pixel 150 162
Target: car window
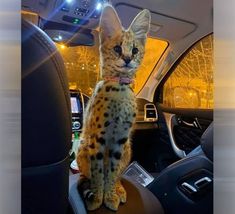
pixel 82 64
pixel 191 83
pixel 153 51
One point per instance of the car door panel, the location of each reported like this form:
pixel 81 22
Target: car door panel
pixel 185 127
pixel 151 138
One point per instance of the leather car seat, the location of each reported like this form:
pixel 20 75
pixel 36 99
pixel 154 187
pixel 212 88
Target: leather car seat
pixel 186 186
pixel 46 125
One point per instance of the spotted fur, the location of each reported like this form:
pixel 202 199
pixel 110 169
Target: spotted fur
pixel 105 150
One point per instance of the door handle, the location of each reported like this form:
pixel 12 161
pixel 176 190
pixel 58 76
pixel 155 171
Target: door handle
pixel 188 124
pixel 189 188
pixel 194 124
pixel 203 182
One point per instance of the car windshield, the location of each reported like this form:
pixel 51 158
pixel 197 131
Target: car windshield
pixel 82 64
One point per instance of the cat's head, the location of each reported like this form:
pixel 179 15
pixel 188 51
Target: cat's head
pixel 122 50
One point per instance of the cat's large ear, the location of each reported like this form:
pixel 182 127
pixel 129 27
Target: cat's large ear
pixel 110 24
pixel 141 24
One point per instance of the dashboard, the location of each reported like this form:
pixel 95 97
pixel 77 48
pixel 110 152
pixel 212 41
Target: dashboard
pixel 147 115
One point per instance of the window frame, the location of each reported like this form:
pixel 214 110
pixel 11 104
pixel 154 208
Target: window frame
pixel 158 95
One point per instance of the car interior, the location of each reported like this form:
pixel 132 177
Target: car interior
pixel 172 138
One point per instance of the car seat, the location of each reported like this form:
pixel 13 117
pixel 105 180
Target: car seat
pixel 46 125
pixel 186 186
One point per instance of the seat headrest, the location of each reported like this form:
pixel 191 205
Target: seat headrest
pixel 46 114
pixel 207 142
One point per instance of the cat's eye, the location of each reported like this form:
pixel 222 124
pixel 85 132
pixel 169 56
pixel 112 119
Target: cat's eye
pixel 135 51
pixel 118 49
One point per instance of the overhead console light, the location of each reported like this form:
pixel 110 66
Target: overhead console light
pixel 67 15
pixel 98 6
pixel 69 1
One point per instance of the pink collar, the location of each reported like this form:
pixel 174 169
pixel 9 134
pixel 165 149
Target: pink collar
pixel 121 80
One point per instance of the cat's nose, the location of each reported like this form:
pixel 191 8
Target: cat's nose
pixel 127 59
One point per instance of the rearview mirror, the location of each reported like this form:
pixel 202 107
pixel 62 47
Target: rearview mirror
pixel 70 39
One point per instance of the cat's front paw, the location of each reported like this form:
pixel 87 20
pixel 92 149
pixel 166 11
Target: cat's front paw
pixel 112 200
pixel 121 192
pixel 94 202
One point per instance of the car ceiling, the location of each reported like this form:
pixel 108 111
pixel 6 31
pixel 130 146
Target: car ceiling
pixel 175 18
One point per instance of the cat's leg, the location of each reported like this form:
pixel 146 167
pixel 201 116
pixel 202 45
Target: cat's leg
pixel 97 173
pixel 90 162
pixel 83 161
pixel 125 161
pixel 119 158
pixel 121 192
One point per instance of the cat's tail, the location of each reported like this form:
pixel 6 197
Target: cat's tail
pixel 84 188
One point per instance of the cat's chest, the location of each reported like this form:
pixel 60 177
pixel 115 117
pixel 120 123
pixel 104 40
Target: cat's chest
pixel 114 91
pixel 115 99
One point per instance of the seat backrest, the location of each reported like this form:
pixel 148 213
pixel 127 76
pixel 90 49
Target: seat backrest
pixel 46 124
pixel 207 142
